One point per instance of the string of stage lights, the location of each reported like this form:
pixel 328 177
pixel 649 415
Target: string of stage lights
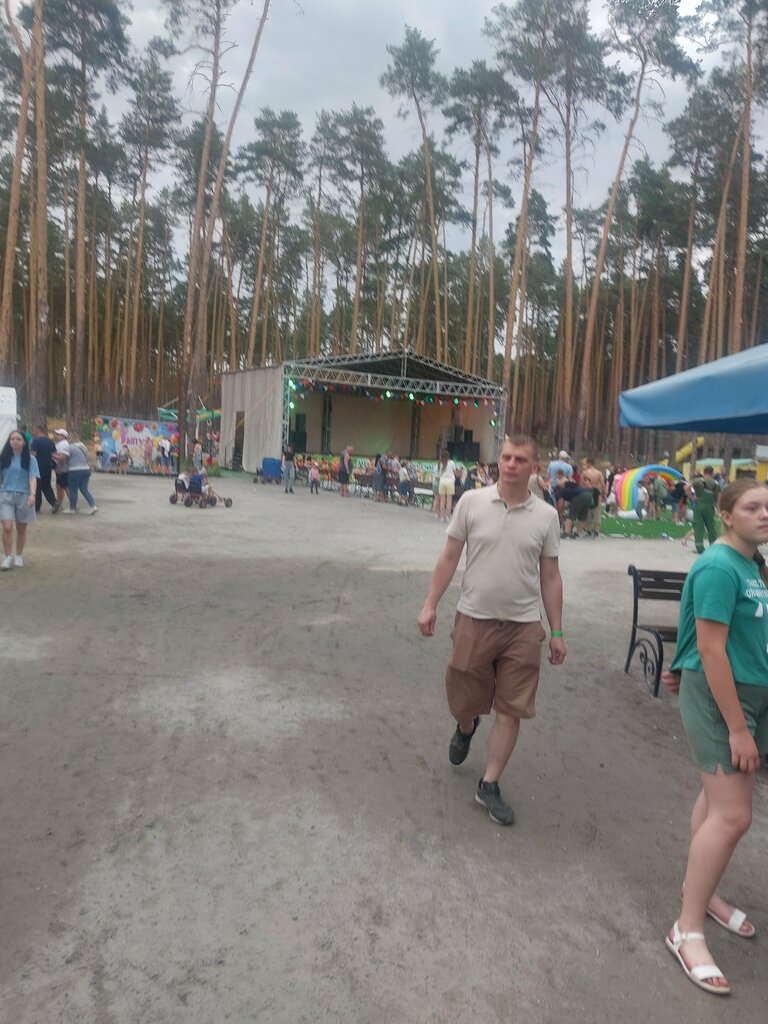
pixel 301 388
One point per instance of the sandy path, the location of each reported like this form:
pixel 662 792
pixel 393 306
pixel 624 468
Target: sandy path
pixel 226 794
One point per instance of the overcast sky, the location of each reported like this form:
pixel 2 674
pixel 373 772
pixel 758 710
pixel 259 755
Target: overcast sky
pixel 327 54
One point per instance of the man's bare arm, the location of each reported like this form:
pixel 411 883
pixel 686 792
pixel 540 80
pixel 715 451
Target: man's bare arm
pixel 552 596
pixel 443 573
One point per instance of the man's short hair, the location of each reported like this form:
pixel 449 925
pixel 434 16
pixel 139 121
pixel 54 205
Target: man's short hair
pixel 709 470
pixel 522 441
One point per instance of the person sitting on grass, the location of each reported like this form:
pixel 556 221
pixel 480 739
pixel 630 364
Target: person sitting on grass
pixel 579 501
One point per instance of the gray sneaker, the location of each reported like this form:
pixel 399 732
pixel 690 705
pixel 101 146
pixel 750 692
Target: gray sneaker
pixel 489 796
pixel 459 747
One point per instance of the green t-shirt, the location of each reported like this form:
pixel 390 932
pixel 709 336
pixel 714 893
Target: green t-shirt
pixel 724 586
pixel 660 491
pixel 705 489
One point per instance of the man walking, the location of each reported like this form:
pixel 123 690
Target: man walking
pixel 512 545
pixel 594 481
pixel 44 449
pixel 704 489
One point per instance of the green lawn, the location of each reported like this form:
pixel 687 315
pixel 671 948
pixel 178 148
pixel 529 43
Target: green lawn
pixel 653 528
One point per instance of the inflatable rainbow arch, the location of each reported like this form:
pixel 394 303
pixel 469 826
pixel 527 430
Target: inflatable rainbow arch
pixel 626 484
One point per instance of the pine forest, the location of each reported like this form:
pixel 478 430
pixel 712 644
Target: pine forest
pixel 145 255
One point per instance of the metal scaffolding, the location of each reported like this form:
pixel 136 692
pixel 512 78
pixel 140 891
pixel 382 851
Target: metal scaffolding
pixel 395 371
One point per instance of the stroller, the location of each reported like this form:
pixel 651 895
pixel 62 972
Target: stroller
pixel 190 493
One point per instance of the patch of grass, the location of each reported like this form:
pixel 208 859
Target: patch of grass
pixel 650 528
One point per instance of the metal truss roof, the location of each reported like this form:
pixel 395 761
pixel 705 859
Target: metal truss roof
pixel 395 371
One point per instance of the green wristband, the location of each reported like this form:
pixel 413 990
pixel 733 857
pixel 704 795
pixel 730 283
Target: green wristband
pixel 556 632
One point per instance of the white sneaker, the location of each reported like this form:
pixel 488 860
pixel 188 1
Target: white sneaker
pixel 93 510
pixel 7 563
pixel 18 562
pixel 68 512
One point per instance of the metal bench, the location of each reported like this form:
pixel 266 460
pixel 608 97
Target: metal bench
pixel 652 585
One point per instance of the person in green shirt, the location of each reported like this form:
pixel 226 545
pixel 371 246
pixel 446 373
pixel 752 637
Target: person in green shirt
pixel 704 489
pixel 660 495
pixel 721 670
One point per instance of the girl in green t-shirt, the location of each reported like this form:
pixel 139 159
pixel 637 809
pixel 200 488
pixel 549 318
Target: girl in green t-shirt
pixel 721 670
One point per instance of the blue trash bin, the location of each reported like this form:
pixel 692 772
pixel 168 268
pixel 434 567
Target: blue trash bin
pixel 271 470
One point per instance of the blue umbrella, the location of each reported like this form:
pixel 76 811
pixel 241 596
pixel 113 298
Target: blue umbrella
pixel 728 396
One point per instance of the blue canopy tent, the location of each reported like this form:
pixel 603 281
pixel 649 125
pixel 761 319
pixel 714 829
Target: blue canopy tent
pixel 727 396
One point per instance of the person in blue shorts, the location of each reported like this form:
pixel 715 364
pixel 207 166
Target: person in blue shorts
pixel 19 476
pixel 721 671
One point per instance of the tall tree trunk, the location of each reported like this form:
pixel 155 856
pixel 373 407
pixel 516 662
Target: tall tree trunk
pixel 137 274
pixel 432 227
pixel 14 198
pixel 490 359
pixel 469 330
pixel 521 240
pixel 685 294
pixel 314 324
pixel 589 332
pixel 39 381
pixel 78 375
pixel 259 277
pixel 736 338
pixel 707 330
pixel 520 338
pixel 756 300
pixel 196 366
pixel 568 327
pixel 358 267
pixel 187 430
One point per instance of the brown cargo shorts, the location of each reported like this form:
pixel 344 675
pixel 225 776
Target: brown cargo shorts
pixel 493 664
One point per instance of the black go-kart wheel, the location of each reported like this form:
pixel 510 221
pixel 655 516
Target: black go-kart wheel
pixel 212 499
pixel 189 501
pixel 203 502
pixel 173 498
pixel 228 503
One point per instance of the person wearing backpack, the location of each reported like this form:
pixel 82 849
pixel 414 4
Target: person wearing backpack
pixel 78 475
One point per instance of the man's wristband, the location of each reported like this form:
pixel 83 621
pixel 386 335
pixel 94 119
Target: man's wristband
pixel 556 632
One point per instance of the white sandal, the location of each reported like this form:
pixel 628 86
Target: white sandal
pixel 734 923
pixel 700 975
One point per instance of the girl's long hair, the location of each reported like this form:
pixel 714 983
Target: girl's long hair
pixel 444 456
pixel 7 453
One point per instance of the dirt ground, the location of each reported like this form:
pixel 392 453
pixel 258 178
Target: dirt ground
pixel 226 794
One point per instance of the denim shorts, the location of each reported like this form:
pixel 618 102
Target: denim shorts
pixel 705 726
pixel 14 507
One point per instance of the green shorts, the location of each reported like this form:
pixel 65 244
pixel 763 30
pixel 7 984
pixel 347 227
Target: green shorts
pixel 705 726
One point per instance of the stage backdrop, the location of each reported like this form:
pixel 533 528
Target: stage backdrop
pixel 140 437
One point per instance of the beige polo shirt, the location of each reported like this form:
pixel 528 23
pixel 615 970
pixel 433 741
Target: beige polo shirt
pixel 504 547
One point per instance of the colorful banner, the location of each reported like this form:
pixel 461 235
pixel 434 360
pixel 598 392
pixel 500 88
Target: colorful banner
pixel 133 446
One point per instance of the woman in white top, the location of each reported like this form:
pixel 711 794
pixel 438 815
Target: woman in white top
pixel 446 485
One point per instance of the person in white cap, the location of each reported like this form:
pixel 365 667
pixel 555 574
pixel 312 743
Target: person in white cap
pixel 61 437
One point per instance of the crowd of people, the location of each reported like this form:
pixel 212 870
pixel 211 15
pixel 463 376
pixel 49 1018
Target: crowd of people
pixel 580 490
